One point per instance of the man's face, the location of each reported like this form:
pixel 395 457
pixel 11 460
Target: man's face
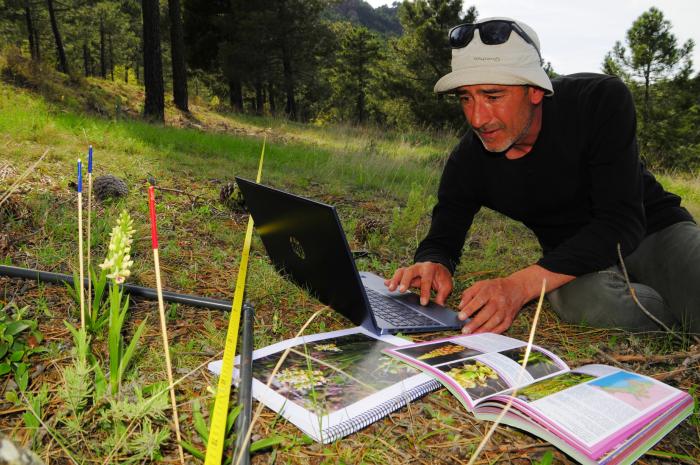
pixel 500 115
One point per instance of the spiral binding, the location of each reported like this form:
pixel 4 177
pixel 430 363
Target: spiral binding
pixel 370 416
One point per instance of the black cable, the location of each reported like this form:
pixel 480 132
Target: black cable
pixel 135 291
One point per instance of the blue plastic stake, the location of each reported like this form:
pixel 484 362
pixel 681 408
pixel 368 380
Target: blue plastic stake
pixel 90 159
pixel 80 176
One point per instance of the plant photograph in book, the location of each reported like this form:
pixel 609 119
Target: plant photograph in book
pixel 478 379
pixel 439 352
pixel 636 391
pixel 551 386
pixel 332 374
pixel 538 365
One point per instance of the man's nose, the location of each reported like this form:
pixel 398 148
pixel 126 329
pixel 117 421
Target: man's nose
pixel 480 114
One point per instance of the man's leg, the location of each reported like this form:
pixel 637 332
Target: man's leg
pixel 669 262
pixel 602 299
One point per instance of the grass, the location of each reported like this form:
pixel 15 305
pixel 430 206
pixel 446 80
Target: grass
pixel 381 183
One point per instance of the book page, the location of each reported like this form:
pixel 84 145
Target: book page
pixel 329 378
pixel 475 367
pixel 598 411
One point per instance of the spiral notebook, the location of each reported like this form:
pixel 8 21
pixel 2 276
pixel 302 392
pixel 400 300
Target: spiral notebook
pixel 333 384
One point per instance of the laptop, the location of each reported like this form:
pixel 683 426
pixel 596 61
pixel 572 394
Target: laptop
pixel 306 243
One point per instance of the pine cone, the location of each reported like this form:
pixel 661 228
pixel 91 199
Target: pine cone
pixel 365 226
pixel 109 186
pixel 231 197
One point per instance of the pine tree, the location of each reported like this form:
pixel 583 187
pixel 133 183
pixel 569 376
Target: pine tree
pixel 154 106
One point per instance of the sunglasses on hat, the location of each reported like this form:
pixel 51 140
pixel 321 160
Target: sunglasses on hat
pixel 494 32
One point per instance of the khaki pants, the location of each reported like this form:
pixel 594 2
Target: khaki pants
pixel 665 273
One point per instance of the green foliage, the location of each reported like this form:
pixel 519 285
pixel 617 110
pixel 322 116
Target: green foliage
pixel 32 418
pixel 422 56
pixel 405 222
pixel 658 72
pixel 352 76
pixel 202 430
pixel 18 341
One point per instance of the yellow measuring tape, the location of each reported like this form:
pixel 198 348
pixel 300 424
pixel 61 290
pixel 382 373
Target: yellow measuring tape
pixel 217 428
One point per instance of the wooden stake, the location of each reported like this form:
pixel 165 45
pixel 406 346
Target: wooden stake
pixel 161 309
pixel 80 243
pixel 519 379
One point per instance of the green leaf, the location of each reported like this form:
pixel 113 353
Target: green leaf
pixel 265 443
pixel 131 349
pixel 3 349
pixel 22 376
pixel 546 459
pixel 200 425
pixel 192 450
pixel 231 418
pixel 11 396
pixel 5 368
pixel 17 356
pixel 30 420
pixel 100 381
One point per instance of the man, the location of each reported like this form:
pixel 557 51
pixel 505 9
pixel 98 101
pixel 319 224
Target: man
pixel 562 158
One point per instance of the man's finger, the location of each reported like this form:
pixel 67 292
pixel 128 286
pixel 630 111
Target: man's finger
pixel 482 317
pixel 426 282
pixel 469 294
pixel 394 281
pixel 407 278
pixel 478 301
pixel 495 320
pixel 502 327
pixel 443 290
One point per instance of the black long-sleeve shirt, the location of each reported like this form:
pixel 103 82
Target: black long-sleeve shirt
pixel 581 189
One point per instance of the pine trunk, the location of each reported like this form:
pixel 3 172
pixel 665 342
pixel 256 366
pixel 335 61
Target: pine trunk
pixel 259 98
pixel 271 98
pixel 86 59
pixel 30 30
pixel 60 51
pixel 177 51
pixel 235 94
pixel 103 59
pixel 291 107
pixel 111 57
pixel 154 106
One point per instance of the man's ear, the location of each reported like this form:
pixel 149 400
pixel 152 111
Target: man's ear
pixel 535 95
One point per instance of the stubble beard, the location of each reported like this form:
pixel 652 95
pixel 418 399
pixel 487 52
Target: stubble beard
pixel 508 144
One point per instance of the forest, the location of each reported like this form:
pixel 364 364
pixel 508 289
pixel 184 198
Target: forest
pixel 175 98
pixel 328 61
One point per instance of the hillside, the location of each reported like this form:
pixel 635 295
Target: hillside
pixel 383 19
pixel 383 184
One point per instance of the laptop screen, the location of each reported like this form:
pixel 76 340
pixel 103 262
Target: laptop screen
pixel 305 242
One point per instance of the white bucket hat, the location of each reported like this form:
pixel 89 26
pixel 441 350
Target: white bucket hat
pixel 514 62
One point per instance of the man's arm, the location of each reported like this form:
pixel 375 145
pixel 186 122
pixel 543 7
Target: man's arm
pixel 499 300
pixel 438 254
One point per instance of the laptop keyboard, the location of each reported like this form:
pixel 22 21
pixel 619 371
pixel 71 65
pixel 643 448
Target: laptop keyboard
pixel 395 313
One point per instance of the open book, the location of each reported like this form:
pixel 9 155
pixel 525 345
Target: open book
pixel 333 384
pixel 596 414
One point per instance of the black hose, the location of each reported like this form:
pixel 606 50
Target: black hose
pixel 136 291
pixel 245 388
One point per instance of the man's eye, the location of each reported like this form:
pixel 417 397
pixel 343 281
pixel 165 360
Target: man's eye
pixel 493 97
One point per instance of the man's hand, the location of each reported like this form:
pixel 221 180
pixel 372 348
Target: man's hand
pixel 497 301
pixel 426 276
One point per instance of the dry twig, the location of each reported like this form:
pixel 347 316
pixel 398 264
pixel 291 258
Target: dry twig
pixel 633 293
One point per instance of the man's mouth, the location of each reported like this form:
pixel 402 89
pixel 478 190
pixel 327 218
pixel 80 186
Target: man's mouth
pixel 488 133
